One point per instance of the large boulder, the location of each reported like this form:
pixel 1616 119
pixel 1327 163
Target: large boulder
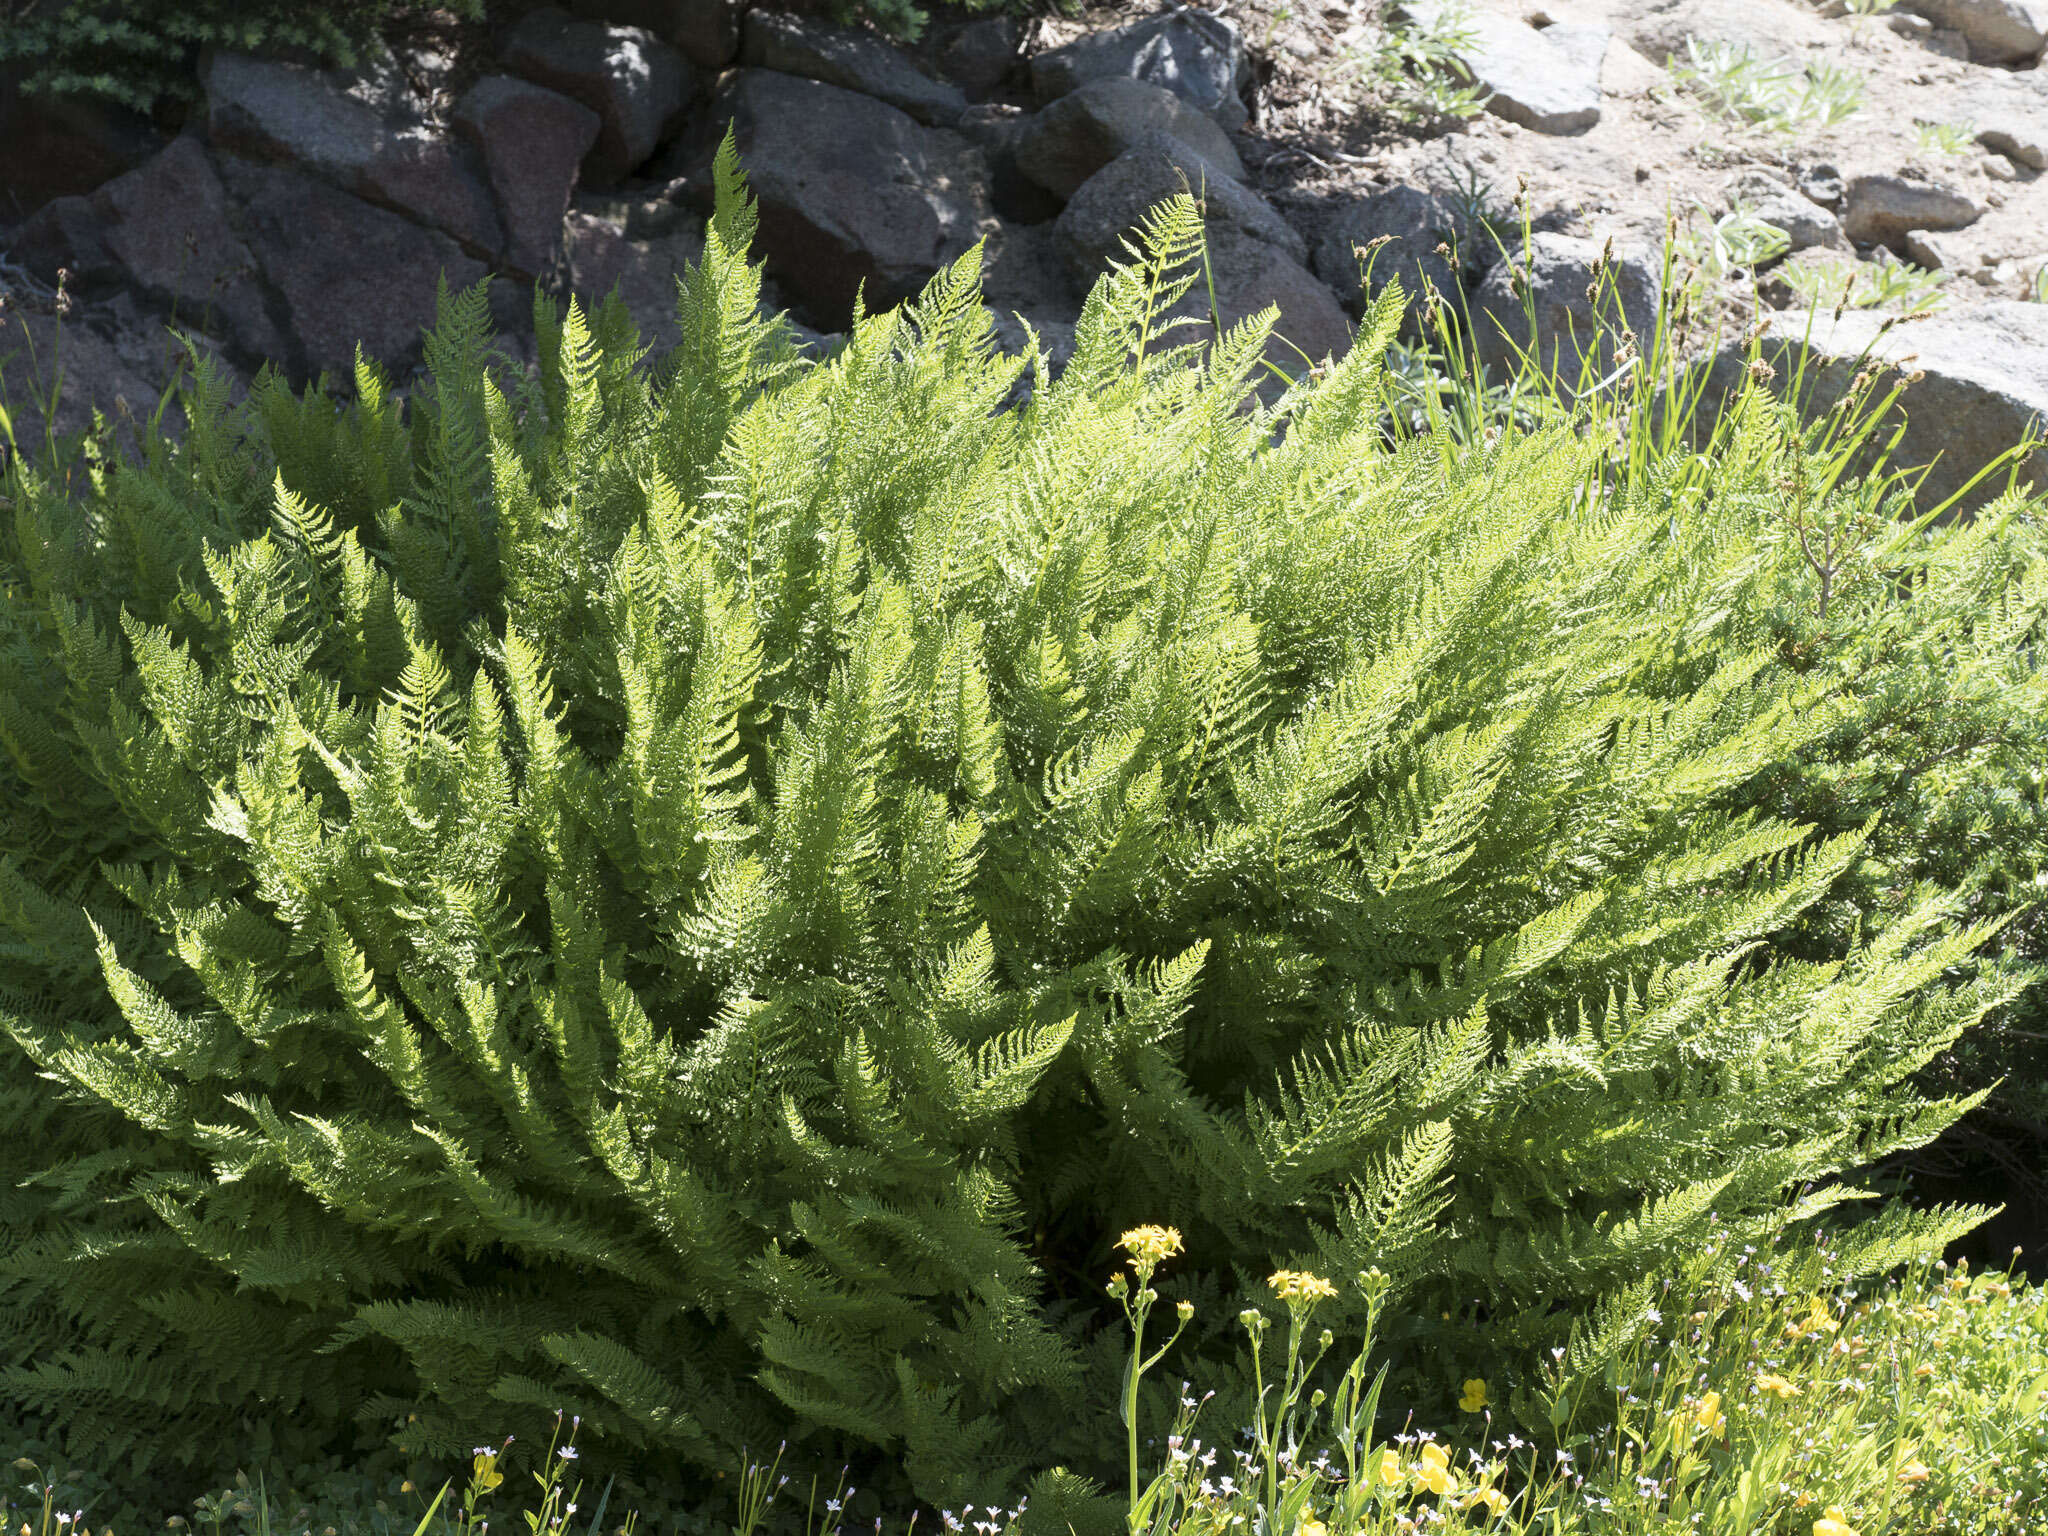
pixel 162 232
pixel 532 141
pixel 1983 384
pixel 857 61
pixel 1413 222
pixel 1569 329
pixel 1248 275
pixel 1090 230
pixel 1254 258
pixel 706 32
pixel 1997 31
pixel 343 270
pixel 1064 144
pixel 64 146
pixel 635 83
pixel 1198 56
pixel 1884 209
pixel 852 192
pixel 362 139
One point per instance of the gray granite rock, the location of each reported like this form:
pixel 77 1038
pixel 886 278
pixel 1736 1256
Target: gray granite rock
pixel 1414 222
pixel 1984 382
pixel 604 256
pixel 344 271
pixel 854 60
pixel 356 131
pixel 1996 31
pixel 1109 205
pixel 165 233
pixel 1062 145
pixel 1546 80
pixel 1884 209
pixel 1569 329
pixel 979 55
pixel 1804 222
pixel 635 83
pixel 532 141
pixel 852 192
pixel 1198 56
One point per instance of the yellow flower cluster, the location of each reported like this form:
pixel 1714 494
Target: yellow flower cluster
pixel 1298 1286
pixel 1778 1386
pixel 1833 1523
pixel 1151 1245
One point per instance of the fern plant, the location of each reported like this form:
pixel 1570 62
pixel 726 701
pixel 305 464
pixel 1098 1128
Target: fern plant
pixel 704 895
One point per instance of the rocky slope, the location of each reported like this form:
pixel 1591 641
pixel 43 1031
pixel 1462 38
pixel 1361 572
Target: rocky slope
pixel 298 211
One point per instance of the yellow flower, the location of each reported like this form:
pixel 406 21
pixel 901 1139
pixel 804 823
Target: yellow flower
pixel 1475 1395
pixel 1708 1414
pixel 1298 1286
pixel 1495 1501
pixel 1151 1245
pixel 1389 1470
pixel 487 1475
pixel 1914 1472
pixel 1434 1470
pixel 1833 1522
pixel 1923 1370
pixel 1777 1386
pixel 1312 1527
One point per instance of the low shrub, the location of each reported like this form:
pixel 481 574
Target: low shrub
pixel 141 53
pixel 702 898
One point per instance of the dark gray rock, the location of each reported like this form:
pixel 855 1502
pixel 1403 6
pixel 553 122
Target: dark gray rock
pixel 1064 144
pixel 1555 271
pixel 532 140
pixel 1109 205
pixel 343 270
pixel 364 140
pixel 1249 275
pixel 996 129
pixel 706 32
pixel 635 83
pixel 163 232
pixel 1883 210
pixel 1996 31
pixel 1821 183
pixel 64 146
pixel 119 360
pixel 1985 382
pixel 1415 223
pixel 604 256
pixel 852 60
pixel 852 192
pixel 1198 56
pixel 980 56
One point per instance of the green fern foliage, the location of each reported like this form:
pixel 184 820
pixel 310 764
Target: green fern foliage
pixel 706 896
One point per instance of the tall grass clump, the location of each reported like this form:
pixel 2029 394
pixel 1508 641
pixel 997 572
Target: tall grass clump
pixel 701 897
